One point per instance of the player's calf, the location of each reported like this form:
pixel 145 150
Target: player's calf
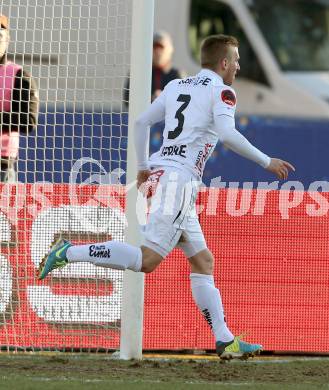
pixel 110 254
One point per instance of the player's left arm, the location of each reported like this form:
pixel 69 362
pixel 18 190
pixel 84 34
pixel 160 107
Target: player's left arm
pixel 223 112
pixel 234 140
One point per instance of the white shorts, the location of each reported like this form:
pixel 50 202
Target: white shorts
pixel 172 220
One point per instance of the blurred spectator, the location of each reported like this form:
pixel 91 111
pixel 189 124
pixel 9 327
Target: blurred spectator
pixel 19 105
pixel 162 69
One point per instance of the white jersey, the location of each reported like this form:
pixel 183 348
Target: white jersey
pixel 197 111
pixel 190 135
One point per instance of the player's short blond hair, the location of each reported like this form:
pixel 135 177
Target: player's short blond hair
pixel 214 48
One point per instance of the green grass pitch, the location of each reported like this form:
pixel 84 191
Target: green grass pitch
pixel 85 371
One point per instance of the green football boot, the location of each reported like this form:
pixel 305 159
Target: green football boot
pixel 237 349
pixel 56 258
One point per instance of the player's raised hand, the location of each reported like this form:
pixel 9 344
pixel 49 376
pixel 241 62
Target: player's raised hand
pixel 280 168
pixel 142 177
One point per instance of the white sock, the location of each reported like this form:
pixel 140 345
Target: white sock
pixel 110 254
pixel 208 300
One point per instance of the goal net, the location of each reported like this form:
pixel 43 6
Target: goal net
pixel 71 172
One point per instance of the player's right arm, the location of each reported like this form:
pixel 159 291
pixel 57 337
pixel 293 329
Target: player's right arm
pixel 154 114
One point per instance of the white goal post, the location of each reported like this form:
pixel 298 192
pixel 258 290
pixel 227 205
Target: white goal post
pixel 140 96
pixel 80 54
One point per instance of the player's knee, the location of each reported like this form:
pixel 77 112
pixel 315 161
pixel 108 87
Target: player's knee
pixel 148 268
pixel 203 262
pixel 208 263
pixel 149 264
pixel 150 260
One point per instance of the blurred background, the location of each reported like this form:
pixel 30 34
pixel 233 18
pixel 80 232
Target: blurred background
pixel 79 54
pixel 283 85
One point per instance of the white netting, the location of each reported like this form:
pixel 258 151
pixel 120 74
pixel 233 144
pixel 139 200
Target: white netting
pixel 78 52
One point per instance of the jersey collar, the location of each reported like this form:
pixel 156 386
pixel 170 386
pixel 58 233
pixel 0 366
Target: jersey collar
pixel 213 75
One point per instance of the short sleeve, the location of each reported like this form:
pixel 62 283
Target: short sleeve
pixel 224 101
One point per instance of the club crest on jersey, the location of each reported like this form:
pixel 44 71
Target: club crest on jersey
pixel 228 97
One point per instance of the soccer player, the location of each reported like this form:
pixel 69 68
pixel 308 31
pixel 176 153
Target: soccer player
pixel 198 111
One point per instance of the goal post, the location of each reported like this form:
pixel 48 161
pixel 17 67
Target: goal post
pixel 72 172
pixel 140 93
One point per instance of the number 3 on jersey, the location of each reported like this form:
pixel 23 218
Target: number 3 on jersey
pixel 185 99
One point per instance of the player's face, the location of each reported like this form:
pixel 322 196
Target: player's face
pixel 232 65
pixel 4 41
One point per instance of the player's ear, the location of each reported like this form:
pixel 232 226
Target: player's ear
pixel 224 63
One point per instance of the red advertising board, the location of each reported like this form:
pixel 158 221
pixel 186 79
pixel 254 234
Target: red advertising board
pixel 271 265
